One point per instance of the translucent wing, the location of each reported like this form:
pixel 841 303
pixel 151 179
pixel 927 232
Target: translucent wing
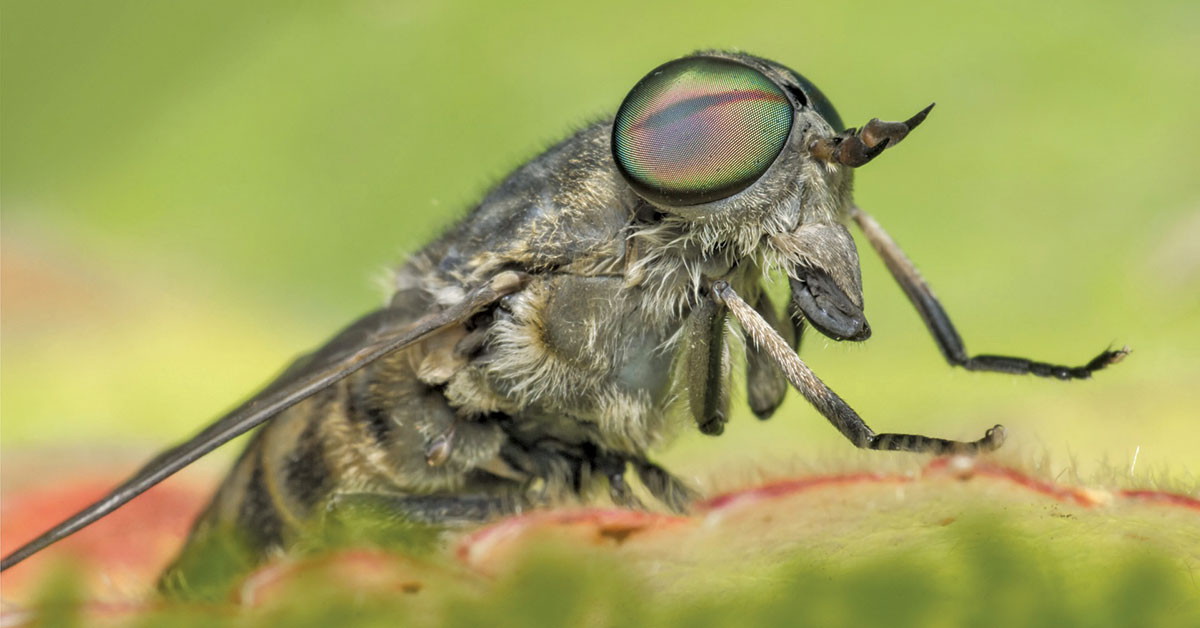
pixel 370 338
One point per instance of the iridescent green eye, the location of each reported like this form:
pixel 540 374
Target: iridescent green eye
pixel 700 129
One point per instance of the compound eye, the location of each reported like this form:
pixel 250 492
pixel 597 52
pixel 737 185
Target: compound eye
pixel 699 129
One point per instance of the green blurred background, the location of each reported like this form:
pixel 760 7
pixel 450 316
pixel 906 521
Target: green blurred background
pixel 194 193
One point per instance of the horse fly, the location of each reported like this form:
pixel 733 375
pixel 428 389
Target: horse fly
pixel 538 351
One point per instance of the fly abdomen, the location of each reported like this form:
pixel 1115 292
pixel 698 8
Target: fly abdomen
pixel 275 483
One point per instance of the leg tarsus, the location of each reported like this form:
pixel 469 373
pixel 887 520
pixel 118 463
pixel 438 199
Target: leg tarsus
pixel 662 486
pixel 938 322
pixel 613 468
pixel 991 441
pixel 567 470
pixel 621 494
pixel 666 488
pixel 1022 366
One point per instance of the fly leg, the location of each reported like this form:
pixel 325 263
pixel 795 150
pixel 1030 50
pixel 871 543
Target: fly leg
pixel 938 322
pixel 666 488
pixel 831 406
pixel 566 469
pixel 707 368
pixel 765 384
pixel 552 470
pixel 613 468
pixel 662 486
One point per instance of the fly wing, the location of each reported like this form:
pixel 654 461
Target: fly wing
pixel 370 338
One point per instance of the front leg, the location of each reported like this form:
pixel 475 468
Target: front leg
pixel 943 331
pixel 836 410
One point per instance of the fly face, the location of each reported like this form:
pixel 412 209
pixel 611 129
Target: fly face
pixel 745 149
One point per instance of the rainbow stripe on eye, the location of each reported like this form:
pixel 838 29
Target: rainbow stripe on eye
pixel 700 129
